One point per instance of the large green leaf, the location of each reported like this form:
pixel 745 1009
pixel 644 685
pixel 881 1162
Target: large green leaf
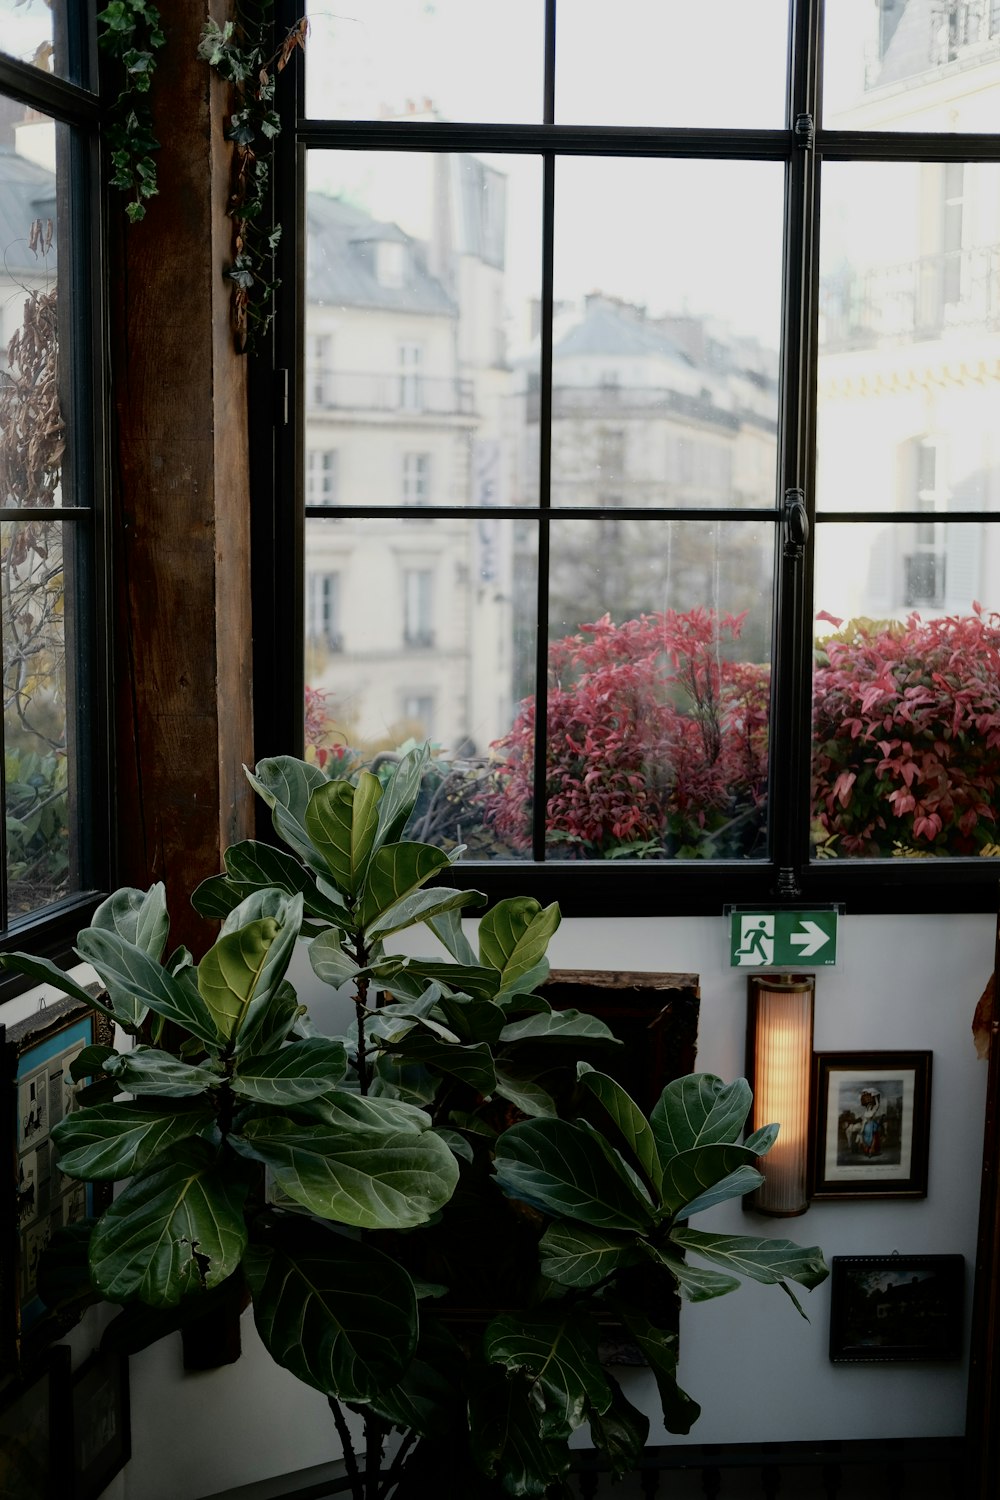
pixel 330 962
pixel 745 1179
pixel 177 1228
pixel 472 1064
pixel 696 1283
pixel 140 917
pixel 251 866
pixel 303 1070
pixel 339 1314
pixel 272 1023
pixel 618 1117
pixel 428 1400
pixel 513 938
pixel 620 1432
pixel 761 1141
pixel 505 1440
pixel 420 906
pixel 690 1174
pixel 46 972
pixel 341 820
pixel 558 1352
pixel 416 974
pixel 574 1256
pixel 447 928
pixel 699 1110
pixel 659 1346
pixel 395 871
pixel 374 1179
pixel 559 1026
pixel 115 1140
pixel 523 1088
pixel 472 1020
pixel 766 1260
pixel 147 1070
pixel 399 796
pixel 175 997
pixel 244 967
pixel 286 785
pixel 562 1169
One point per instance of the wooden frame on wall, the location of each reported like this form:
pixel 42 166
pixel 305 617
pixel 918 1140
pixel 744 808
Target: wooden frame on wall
pixel 35 1058
pixel 870 1129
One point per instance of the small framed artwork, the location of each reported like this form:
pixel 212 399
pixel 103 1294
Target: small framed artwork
pixel 895 1307
pixel 34 1423
pixel 101 1432
pixel 35 1059
pixel 870 1124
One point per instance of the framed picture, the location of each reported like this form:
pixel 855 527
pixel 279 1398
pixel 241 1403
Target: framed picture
pixel 34 1422
pixel 35 1059
pixel 895 1307
pixel 870 1124
pixel 101 1431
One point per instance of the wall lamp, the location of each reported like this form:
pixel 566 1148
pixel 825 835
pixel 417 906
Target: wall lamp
pixel 779 1068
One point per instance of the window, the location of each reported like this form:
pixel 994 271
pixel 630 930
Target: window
pixel 323 617
pixel 321 476
pixel 54 851
pixel 418 607
pixel 416 478
pixel 722 482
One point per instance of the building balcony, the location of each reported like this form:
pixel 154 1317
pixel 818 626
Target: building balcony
pixel 570 401
pixel 912 301
pixel 407 394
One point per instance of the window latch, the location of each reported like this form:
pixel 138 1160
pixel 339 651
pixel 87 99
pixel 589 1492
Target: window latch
pixel 803 131
pixel 796 524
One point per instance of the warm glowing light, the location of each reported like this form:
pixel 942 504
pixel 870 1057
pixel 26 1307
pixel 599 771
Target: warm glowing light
pixel 779 1061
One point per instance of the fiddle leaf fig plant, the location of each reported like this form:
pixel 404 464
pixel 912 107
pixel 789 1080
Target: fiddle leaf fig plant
pixel 437 1215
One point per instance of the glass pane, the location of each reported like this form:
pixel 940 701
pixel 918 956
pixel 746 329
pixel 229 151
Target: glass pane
pixel 659 681
pixel 443 657
pixel 909 338
pixel 43 33
pixel 672 63
pixel 34 361
pixel 906 691
pixel 422 280
pixel 467 60
pixel 912 65
pixel 665 362
pixel 36 593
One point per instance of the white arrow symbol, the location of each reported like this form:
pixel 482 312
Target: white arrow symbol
pixel 812 940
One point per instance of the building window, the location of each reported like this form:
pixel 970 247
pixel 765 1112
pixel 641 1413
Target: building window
pixel 55 826
pixel 319 383
pixel 708 514
pixel 323 591
pixel 416 478
pixel 418 607
pixel 321 476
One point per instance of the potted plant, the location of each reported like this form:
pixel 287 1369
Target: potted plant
pixel 437 1215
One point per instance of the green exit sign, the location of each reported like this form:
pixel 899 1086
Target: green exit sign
pixel 777 939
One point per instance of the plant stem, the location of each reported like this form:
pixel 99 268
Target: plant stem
pixel 398 1464
pixel 374 1437
pixel 350 1458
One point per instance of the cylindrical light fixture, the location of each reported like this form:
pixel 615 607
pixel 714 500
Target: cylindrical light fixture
pixel 779 1067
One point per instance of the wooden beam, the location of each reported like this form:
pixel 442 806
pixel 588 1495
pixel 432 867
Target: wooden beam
pixel 180 500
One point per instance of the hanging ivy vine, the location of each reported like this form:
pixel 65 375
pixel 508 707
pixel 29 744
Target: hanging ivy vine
pixel 131 33
pixel 241 52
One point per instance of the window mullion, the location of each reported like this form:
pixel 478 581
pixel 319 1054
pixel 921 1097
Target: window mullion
pixel 544 501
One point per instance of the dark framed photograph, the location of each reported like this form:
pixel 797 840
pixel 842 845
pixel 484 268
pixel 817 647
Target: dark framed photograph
pixel 895 1307
pixel 35 1057
pixel 870 1124
pixel 102 1438
pixel 34 1423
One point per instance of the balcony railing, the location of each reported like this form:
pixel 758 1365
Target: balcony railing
pixel 912 300
pixel 369 391
pixel 631 400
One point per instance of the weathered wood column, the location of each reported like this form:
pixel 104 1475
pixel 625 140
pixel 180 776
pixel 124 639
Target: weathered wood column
pixel 180 499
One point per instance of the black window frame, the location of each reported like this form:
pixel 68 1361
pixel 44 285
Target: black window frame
pixel 622 887
pixel 50 932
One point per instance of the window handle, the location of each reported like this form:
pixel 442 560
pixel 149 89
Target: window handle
pixel 796 523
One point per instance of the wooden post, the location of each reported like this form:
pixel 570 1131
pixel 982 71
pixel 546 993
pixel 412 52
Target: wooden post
pixel 180 499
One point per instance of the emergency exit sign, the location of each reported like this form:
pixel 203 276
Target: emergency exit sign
pixel 777 939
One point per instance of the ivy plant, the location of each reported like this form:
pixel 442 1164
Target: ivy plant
pixel 131 34
pixel 437 1214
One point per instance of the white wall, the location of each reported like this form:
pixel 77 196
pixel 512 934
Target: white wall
pixel 759 1371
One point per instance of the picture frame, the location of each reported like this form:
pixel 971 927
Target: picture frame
pixel 870 1125
pixel 35 1059
pixel 102 1436
pixel 892 1308
pixel 34 1422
